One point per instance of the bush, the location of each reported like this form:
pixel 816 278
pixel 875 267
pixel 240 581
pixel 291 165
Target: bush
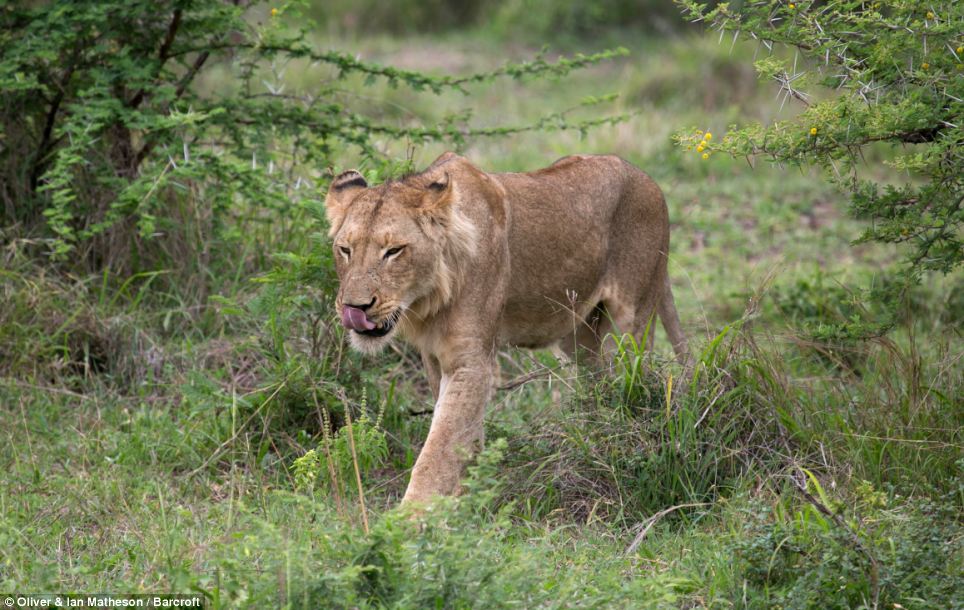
pixel 145 133
pixel 889 553
pixel 891 75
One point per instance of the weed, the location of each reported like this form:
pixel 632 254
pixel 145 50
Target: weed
pixel 907 554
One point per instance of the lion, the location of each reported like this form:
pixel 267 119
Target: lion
pixel 459 262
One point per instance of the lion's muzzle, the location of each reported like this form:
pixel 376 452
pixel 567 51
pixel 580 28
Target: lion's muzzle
pixel 357 320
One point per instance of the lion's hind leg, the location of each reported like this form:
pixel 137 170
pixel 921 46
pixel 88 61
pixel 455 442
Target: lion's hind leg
pixel 619 319
pixel 584 340
pixel 596 340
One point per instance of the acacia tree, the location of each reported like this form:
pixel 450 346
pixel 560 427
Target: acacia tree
pixel 106 127
pixel 891 72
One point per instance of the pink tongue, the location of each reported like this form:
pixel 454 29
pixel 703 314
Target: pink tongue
pixel 355 319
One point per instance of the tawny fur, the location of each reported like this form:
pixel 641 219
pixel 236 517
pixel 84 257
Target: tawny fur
pixel 569 255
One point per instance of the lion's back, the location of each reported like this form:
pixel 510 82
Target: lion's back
pixel 568 223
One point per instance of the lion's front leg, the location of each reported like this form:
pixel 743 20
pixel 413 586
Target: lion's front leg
pixel 433 371
pixel 456 433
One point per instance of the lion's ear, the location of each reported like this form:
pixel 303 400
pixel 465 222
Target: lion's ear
pixel 439 194
pixel 342 191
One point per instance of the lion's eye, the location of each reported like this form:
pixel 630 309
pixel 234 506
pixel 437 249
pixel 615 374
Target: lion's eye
pixel 345 250
pixel 393 251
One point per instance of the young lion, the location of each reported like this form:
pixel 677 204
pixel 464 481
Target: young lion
pixel 459 262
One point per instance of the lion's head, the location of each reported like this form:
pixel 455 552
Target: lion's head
pixel 397 249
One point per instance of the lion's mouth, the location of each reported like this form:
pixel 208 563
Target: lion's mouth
pixel 381 329
pixel 355 319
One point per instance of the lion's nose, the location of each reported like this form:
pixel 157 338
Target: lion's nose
pixel 365 306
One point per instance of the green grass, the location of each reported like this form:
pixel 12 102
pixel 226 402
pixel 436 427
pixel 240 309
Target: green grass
pixel 149 428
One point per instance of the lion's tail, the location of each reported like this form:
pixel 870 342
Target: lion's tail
pixel 671 323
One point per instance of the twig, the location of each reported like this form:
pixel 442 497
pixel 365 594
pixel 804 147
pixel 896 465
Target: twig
pixel 524 379
pixel 217 452
pixel 324 421
pixel 44 388
pixel 45 142
pixel 181 88
pixel 354 461
pixel 649 523
pixel 854 538
pixel 162 55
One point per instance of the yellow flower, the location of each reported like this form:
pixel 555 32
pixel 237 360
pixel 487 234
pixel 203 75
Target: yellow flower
pixel 708 136
pixel 699 132
pixel 274 12
pixel 706 156
pixel 925 66
pixel 960 49
pixel 792 6
pixel 813 131
pixel 699 148
pixel 930 15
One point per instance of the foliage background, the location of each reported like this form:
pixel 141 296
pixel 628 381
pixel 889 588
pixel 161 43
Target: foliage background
pixel 175 389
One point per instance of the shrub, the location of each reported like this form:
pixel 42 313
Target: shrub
pixel 137 132
pixel 890 74
pixel 364 444
pixel 890 553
